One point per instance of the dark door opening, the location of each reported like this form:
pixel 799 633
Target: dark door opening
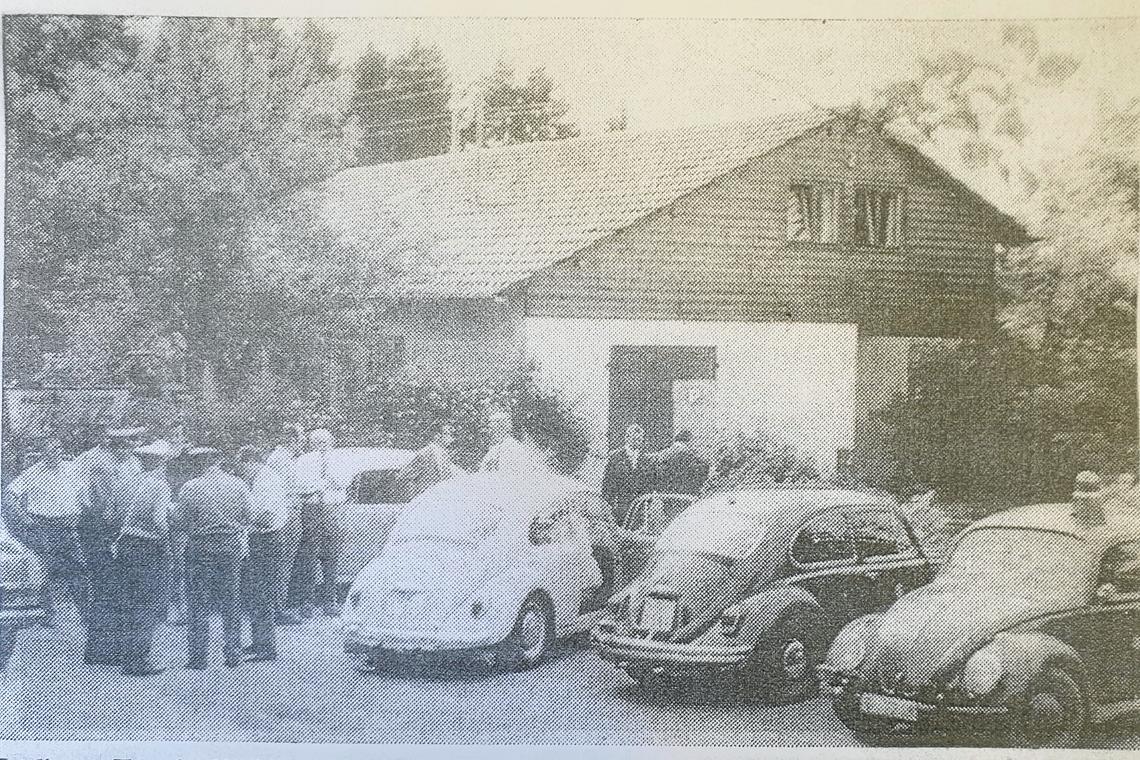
pixel 641 387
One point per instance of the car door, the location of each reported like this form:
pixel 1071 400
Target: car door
pixel 569 571
pixel 374 502
pixel 890 560
pixel 1106 632
pixel 822 561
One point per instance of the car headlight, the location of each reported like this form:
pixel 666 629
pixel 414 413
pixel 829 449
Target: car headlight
pixel 850 646
pixel 478 608
pixel 982 672
pixel 732 620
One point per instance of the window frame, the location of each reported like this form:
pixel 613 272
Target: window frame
pixel 840 192
pixel 851 561
pixel 912 552
pixel 880 187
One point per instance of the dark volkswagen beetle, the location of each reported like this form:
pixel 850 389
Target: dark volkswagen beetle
pixel 1031 630
pixel 754 584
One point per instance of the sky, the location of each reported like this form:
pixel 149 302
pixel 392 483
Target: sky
pixel 664 72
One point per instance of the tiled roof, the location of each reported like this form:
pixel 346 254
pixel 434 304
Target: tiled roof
pixel 471 224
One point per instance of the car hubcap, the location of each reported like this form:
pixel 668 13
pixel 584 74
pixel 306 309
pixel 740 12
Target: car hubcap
pixel 532 632
pixel 795 660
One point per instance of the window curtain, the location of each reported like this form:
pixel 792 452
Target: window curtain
pixel 877 219
pixel 811 213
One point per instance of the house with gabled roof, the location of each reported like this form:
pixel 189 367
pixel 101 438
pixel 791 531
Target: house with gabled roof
pixel 766 275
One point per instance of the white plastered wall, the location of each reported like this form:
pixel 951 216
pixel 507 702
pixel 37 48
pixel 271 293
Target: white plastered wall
pixel 794 380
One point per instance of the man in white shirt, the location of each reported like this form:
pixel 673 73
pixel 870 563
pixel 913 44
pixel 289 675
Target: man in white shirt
pixel 48 499
pixel 283 460
pixel 432 464
pixel 322 497
pixel 269 511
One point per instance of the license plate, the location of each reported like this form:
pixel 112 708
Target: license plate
pixel 658 614
pixel 889 707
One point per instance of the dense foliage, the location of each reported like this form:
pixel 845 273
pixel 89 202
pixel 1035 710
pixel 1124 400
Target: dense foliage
pixel 1053 390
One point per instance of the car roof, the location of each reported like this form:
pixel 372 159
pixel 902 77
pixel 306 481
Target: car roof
pixel 794 502
pixel 351 461
pixel 524 495
pixel 1122 521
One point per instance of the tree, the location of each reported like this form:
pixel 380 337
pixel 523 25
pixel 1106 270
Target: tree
pixel 522 112
pixel 402 105
pixel 160 162
pixel 1054 390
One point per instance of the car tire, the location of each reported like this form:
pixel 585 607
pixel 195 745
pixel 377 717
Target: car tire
pixel 782 668
pixel 7 645
pixel 1052 712
pixel 533 634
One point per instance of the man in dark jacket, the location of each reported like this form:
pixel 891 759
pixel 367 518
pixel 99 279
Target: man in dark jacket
pixel 678 469
pixel 214 511
pixel 628 474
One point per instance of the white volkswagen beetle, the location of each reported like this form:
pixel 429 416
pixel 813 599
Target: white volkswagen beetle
pixel 491 561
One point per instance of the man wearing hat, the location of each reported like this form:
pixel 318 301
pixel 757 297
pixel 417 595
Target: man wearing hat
pixel 214 511
pixel 142 554
pixel 105 468
pixel 322 496
pixel 270 511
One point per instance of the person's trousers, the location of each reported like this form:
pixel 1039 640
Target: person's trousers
pixel 177 576
pixel 144 567
pixel 213 581
pixel 103 623
pixel 262 575
pixel 57 546
pixel 290 540
pixel 319 550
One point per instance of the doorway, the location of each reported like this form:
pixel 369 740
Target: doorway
pixel 641 387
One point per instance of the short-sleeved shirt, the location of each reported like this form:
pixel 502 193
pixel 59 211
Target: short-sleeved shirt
pixel 145 504
pixel 214 503
pixel 51 492
pixel 282 461
pixel 267 497
pixel 316 475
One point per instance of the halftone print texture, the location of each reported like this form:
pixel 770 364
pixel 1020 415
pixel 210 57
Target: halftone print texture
pixel 569 381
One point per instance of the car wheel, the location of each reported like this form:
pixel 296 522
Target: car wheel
pixel 783 665
pixel 533 634
pixel 1051 713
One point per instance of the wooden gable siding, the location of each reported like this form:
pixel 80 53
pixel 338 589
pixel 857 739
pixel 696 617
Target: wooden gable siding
pixel 720 252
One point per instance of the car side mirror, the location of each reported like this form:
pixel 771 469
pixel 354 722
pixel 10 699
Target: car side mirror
pixel 1105 592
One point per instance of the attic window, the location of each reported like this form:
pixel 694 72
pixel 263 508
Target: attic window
pixel 813 213
pixel 878 217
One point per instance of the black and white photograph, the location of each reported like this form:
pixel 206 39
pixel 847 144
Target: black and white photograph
pixel 717 383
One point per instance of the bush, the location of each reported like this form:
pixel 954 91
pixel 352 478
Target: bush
pixel 757 458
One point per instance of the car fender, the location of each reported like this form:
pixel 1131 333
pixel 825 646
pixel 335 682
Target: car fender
pixel 761 612
pixel 503 596
pixel 1024 655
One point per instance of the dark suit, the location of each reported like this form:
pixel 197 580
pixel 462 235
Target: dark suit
pixel 679 470
pixel 622 482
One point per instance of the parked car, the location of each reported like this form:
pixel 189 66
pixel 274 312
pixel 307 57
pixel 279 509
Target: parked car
pixel 1030 631
pixel 491 562
pixel 375 498
pixel 752 585
pixel 22 582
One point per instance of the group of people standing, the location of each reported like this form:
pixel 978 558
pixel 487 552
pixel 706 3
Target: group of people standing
pixel 631 472
pixel 129 543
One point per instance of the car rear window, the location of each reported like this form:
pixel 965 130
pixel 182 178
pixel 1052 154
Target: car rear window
pixel 378 487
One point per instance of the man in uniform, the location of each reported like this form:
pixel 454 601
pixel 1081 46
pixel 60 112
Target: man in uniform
pixel 142 554
pixel 628 473
pixel 283 460
pixel 323 495
pixel 104 468
pixel 269 511
pixel 213 510
pixel 48 499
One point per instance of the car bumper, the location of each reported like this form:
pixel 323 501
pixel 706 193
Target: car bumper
pixel 363 640
pixel 20 617
pixel 928 719
pixel 633 655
